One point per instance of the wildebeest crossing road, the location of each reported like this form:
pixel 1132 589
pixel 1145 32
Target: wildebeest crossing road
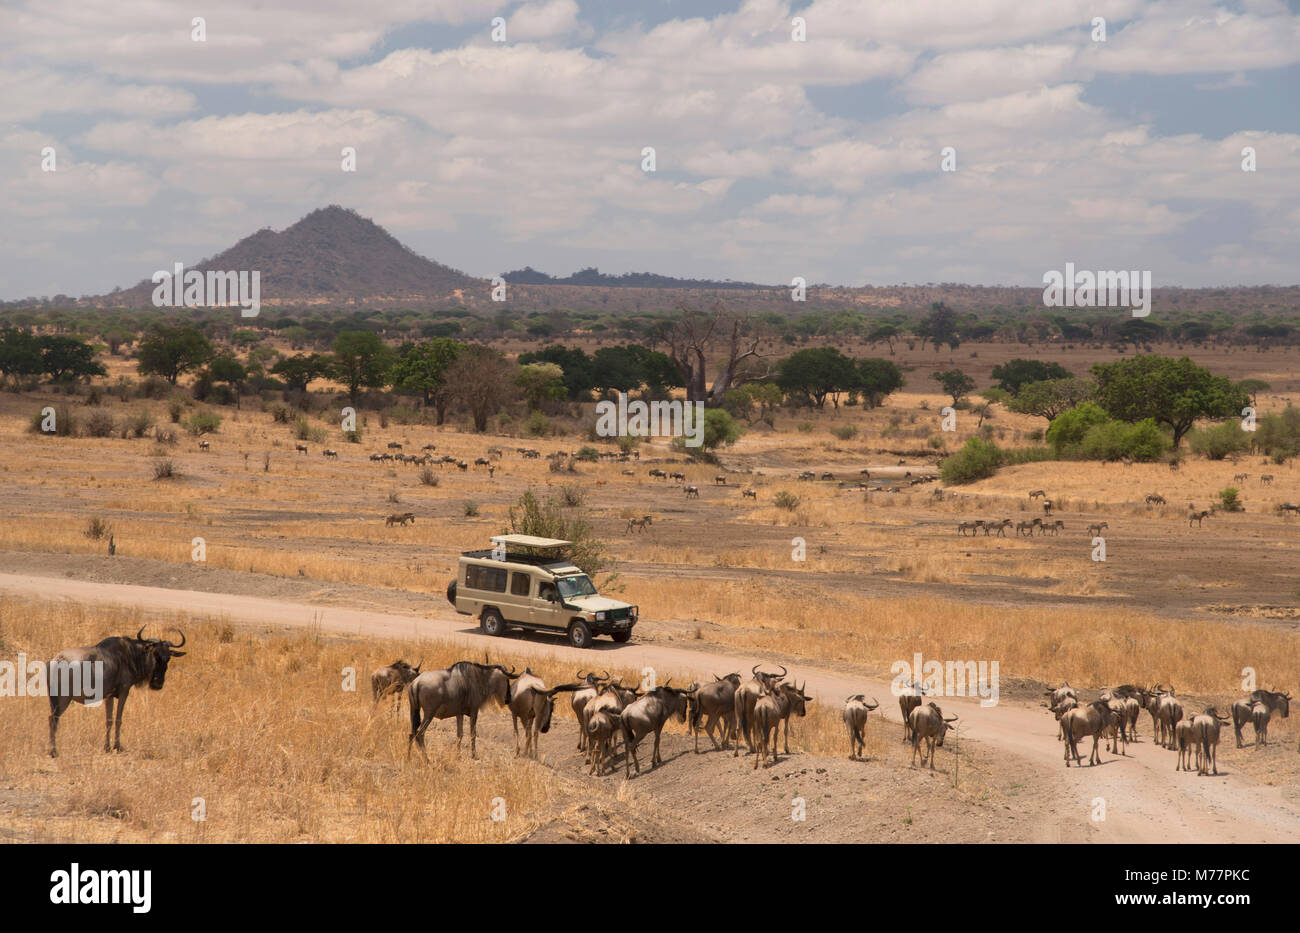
pixel 1144 799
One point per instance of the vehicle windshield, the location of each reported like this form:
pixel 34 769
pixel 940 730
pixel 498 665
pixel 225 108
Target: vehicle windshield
pixel 579 585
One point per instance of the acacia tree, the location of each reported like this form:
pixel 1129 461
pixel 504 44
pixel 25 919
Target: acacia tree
pixel 955 382
pixel 482 381
pixel 1175 392
pixel 696 336
pixel 170 351
pixel 361 359
pixel 423 367
pixel 1050 397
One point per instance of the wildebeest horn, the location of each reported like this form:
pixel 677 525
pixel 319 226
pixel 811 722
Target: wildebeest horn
pixel 783 672
pixel 139 634
pixel 580 675
pixel 950 719
pixel 753 670
pixel 875 703
pixel 173 644
pixel 604 675
pixel 667 682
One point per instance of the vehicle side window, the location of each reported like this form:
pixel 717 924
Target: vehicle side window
pixel 519 584
pixel 485 578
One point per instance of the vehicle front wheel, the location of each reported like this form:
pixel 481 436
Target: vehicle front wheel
pixel 492 623
pixel 579 634
pixel 621 637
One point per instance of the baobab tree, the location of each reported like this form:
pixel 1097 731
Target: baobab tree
pixel 696 336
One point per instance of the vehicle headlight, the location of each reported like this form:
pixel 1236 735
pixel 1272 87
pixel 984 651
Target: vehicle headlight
pixel 600 617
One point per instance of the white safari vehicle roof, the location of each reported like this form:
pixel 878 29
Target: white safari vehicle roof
pixel 529 541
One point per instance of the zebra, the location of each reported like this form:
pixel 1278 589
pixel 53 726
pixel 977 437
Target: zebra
pixel 1266 479
pixel 1027 528
pixel 1197 517
pixel 640 524
pixel 1095 528
pixel 1154 499
pixel 1001 527
pixel 1240 477
pixel 1038 494
pixel 972 527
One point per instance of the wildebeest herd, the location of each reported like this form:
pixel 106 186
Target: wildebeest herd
pixel 1114 716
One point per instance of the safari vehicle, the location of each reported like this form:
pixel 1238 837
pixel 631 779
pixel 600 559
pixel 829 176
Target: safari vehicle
pixel 531 583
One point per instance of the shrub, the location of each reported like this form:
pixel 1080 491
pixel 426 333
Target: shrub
pixel 392 496
pixel 471 508
pixel 786 500
pixel 428 477
pixel 1113 440
pixel 805 426
pixel 1220 440
pixel 165 469
pixel 165 436
pixel 1068 428
pixel 100 424
pixel 978 459
pixel 588 454
pixel 572 496
pixel 845 432
pixel 203 422
pixel 97 528
pixel 139 424
pixel 352 437
pixel 175 408
pixel 1229 500
pixel 301 429
pixel 1017 455
pixel 538 425
pixel 94 396
pixel 154 387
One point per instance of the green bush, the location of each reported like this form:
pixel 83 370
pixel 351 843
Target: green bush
pixel 1219 440
pixel 203 422
pixel 589 454
pixel 786 500
pixel 471 508
pixel 1115 439
pixel 845 432
pixel 1230 501
pixel 1067 429
pixel 978 459
pixel 100 424
pixel 538 425
pixel 139 424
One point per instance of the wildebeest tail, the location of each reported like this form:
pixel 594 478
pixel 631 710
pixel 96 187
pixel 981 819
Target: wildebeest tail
pixel 415 706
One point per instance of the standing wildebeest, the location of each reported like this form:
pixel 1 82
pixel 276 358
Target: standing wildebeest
pixel 649 714
pixel 715 704
pixel 1168 711
pixel 909 698
pixel 1205 730
pixel 929 723
pixel 532 703
pixel 692 491
pixel 747 695
pixel 119 663
pixel 1058 694
pixel 461 690
pixel 400 519
pixel 393 678
pixel 1095 719
pixel 770 709
pixel 749 494
pixel 1185 739
pixel 856 709
pixel 1242 712
pixel 612 698
pixel 590 686
pixel 1060 709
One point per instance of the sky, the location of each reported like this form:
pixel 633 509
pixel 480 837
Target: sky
pixel 776 155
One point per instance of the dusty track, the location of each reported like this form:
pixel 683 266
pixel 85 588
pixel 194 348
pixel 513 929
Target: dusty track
pixel 1145 799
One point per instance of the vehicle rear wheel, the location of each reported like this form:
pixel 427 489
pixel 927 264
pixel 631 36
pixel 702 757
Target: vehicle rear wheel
pixel 579 634
pixel 492 623
pixel 451 592
pixel 621 637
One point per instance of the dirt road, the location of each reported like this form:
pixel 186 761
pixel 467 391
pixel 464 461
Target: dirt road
pixel 1142 798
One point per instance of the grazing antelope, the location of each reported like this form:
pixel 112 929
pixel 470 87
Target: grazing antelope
pixel 590 687
pixel 856 709
pixel 1288 507
pixel 680 477
pixel 1096 528
pixel 204 446
pixel 1173 466
pixel 497 450
pixel 749 494
pixel 331 454
pixel 1126 460
pixel 808 474
pixel 107 671
pixel 692 492
pixel 482 461
pixel 629 472
pixel 402 519
pixel 393 445
pixel 301 448
pixel 640 524
pixel 1197 517
pixel 1038 494
pixel 601 728
pixel 392 679
pixel 1243 712
pixel 1155 499
pixel 658 474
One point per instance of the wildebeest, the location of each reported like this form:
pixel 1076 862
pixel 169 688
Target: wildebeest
pixel 1060 709
pixel 300 448
pixel 692 491
pixel 1168 711
pixel 391 679
pixel 749 494
pixel 1038 494
pixel 714 704
pixel 205 446
pixel 1155 499
pixel 649 714
pixel 747 695
pixel 1092 720
pixel 331 454
pixel 613 697
pixel 720 480
pixel 909 698
pixel 776 705
pixel 532 703
pixel 929 723
pixel 461 690
pixel 1185 740
pixel 1205 729
pixel 601 728
pixel 400 519
pixel 1057 694
pixel 107 671
pixel 590 686
pixel 1243 712
pixel 856 709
